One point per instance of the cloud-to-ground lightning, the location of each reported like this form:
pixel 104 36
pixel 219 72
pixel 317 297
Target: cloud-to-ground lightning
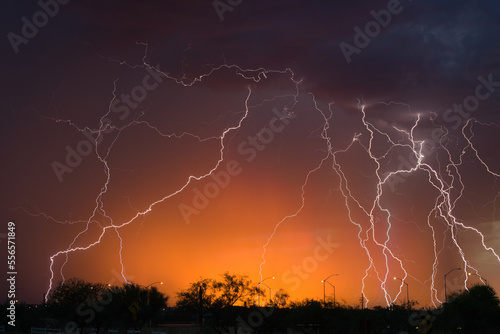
pixel 372 216
pixel 441 213
pixel 248 74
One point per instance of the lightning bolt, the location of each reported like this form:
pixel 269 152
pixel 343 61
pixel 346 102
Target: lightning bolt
pixel 443 209
pixel 255 75
pixel 374 228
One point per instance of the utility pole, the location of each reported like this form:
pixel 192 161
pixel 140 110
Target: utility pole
pixel 445 293
pixel 407 291
pixel 200 306
pixel 324 291
pixel 362 300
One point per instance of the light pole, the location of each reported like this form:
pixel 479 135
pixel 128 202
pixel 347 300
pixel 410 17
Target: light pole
pixel 445 295
pixel 324 290
pixel 481 277
pixel 202 286
pixel 333 286
pixel 147 286
pixel 270 277
pixel 270 293
pixel 407 291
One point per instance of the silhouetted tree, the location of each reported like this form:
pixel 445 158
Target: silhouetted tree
pixel 476 310
pixel 132 305
pixel 198 292
pixel 219 299
pixel 230 291
pixel 280 298
pixel 76 302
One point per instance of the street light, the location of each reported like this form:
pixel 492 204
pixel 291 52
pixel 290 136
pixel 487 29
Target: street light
pixel 270 293
pixel 147 286
pixel 445 295
pixel 271 277
pixel 324 290
pixel 407 291
pixel 481 277
pixel 333 286
pixel 203 285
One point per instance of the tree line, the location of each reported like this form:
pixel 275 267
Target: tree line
pixel 234 304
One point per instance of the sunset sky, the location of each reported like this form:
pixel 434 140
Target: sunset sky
pixel 255 138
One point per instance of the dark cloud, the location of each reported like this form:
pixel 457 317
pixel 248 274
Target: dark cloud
pixel 429 56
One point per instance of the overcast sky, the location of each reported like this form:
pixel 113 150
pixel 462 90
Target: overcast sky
pixel 184 86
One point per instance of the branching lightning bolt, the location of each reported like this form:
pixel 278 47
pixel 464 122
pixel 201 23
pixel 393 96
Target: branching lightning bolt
pixel 254 75
pixel 448 184
pixel 444 204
